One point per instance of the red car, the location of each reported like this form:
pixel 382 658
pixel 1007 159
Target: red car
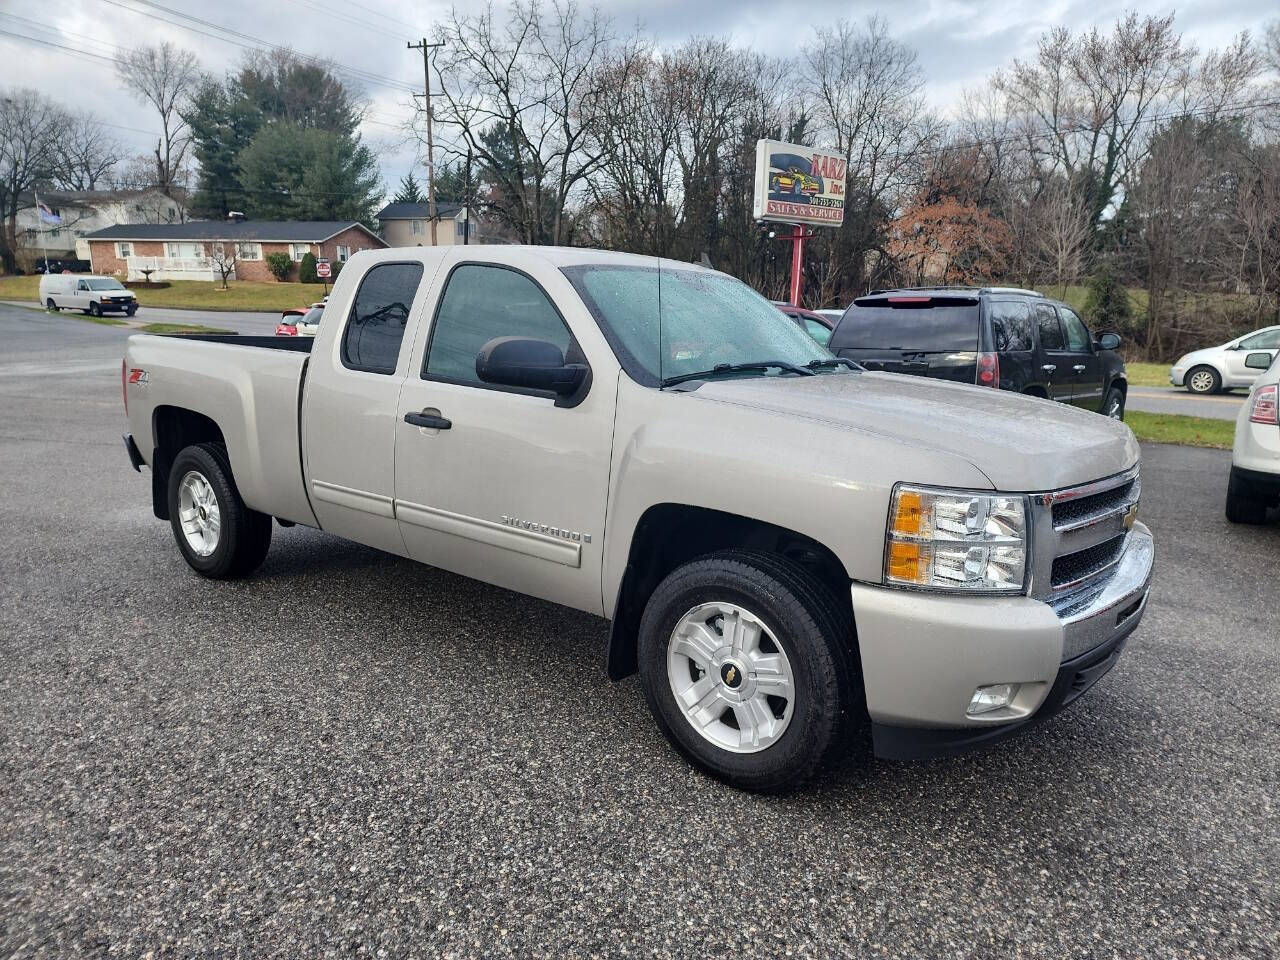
pixel 300 321
pixel 814 324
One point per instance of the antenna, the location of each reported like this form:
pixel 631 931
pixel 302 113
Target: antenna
pixel 661 351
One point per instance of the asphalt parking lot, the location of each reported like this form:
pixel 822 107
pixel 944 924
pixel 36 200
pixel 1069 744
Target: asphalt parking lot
pixel 352 754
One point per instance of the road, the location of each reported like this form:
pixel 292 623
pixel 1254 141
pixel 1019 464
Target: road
pixel 1223 406
pixel 349 753
pixel 249 323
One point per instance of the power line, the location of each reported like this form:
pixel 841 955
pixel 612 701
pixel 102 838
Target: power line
pixel 49 43
pixel 59 33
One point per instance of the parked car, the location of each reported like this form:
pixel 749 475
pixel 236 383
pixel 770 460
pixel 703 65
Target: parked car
pixel 94 295
pixel 1254 483
pixel 300 321
pixel 1000 337
pixel 1223 367
pixel 832 315
pixel 810 321
pixel 484 409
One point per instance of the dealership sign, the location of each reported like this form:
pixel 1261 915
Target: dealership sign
pixel 796 184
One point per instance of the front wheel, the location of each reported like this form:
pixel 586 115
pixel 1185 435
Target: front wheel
pixel 1114 405
pixel 747 665
pixel 94 309
pixel 130 311
pixel 1204 380
pixel 218 535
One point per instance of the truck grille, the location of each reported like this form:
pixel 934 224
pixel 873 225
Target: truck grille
pixel 1081 533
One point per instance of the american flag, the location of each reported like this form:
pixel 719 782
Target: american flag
pixel 46 214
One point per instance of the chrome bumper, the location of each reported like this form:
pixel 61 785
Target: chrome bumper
pixel 1112 607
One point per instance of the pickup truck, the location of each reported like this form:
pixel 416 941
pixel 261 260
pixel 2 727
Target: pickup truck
pixel 794 553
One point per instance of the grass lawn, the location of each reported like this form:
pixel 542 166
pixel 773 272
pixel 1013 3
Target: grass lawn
pixel 196 294
pixel 180 328
pixel 1174 428
pixel 1147 374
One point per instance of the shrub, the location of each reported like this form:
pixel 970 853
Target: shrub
pixel 1108 302
pixel 307 269
pixel 280 265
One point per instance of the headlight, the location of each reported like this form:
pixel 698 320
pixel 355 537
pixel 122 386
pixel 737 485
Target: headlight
pixel 952 540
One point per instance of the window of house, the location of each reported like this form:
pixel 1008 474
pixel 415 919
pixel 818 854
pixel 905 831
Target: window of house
pixel 173 213
pixel 1050 331
pixel 344 253
pixel 375 327
pixel 249 251
pixel 1010 326
pixel 124 249
pixel 184 251
pixel 415 227
pixel 480 303
pixel 299 250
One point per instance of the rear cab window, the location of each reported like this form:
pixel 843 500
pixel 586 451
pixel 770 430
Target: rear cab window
pixel 376 324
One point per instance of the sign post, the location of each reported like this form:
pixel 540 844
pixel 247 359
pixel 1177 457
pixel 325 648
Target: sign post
pixel 323 272
pixel 803 187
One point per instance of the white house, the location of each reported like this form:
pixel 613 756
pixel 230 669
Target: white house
pixel 83 212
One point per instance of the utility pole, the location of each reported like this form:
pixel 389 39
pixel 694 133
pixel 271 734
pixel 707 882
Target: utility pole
pixel 431 159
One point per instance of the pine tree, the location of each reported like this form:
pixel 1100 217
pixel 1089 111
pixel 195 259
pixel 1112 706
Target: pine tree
pixel 409 191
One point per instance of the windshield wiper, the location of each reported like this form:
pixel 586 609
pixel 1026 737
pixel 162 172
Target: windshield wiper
pixel 722 368
pixel 832 363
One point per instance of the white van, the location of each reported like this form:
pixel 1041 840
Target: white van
pixel 93 294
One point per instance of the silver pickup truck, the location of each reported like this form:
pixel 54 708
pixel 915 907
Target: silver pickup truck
pixel 793 552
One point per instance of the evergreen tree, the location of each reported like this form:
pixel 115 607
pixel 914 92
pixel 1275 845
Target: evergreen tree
pixel 1107 305
pixel 409 191
pixel 297 173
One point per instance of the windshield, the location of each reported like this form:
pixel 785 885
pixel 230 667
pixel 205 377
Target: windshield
pixel 313 315
pixel 929 329
pixel 105 283
pixel 705 319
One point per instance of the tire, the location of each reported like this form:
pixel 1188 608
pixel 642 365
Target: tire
pixel 1113 406
pixel 94 309
pixel 796 616
pixel 1203 380
pixel 51 306
pixel 242 536
pixel 130 311
pixel 1242 508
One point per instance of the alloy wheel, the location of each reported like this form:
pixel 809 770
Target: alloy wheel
pixel 199 513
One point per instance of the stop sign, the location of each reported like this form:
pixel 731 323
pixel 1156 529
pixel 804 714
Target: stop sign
pixel 322 268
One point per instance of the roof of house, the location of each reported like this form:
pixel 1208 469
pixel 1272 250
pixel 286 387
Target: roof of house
pixel 262 231
pixel 85 197
pixel 417 211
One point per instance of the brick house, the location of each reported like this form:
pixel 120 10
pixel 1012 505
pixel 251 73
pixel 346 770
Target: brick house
pixel 185 251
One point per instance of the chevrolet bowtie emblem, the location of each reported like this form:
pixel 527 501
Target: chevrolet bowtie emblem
pixel 731 676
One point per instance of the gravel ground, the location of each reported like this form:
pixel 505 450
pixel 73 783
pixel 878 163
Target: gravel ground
pixel 351 754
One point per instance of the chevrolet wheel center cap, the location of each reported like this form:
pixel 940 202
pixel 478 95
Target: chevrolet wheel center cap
pixel 731 675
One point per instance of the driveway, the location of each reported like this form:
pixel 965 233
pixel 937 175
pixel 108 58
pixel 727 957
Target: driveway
pixel 352 754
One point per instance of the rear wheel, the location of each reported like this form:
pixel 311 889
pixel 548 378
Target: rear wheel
pixel 218 535
pixel 1204 380
pixel 1243 508
pixel 51 306
pixel 746 663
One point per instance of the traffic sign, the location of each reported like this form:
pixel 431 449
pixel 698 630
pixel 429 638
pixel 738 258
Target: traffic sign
pixel 322 268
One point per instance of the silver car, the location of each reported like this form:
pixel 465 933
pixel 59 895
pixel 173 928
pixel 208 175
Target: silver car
pixel 1221 368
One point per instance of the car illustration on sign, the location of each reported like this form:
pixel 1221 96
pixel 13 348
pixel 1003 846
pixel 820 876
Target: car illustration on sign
pixel 790 178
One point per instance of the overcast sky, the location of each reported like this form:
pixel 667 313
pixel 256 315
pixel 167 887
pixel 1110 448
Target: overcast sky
pixel 959 42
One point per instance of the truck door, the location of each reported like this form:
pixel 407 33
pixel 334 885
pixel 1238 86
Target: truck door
pixel 349 412
pixel 1086 366
pixel 80 298
pixel 1055 362
pixel 500 483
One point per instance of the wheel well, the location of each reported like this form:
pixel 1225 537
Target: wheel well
pixel 175 429
pixel 1037 392
pixel 669 535
pixel 1121 384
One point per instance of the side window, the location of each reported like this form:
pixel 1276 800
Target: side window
pixel 82 285
pixel 371 340
pixel 817 330
pixel 1267 340
pixel 1011 326
pixel 1078 338
pixel 1050 331
pixel 482 302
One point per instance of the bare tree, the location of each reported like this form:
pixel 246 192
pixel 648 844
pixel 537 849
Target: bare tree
pixel 30 124
pixel 523 96
pixel 224 257
pixel 1061 232
pixel 164 76
pixel 85 153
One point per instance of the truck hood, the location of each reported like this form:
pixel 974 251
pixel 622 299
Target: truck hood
pixel 1020 443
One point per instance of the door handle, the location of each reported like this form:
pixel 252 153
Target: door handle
pixel 431 420
pixel 1049 367
pixel 1078 368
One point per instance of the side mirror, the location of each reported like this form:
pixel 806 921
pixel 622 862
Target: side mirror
pixel 1258 361
pixel 531 364
pixel 1109 341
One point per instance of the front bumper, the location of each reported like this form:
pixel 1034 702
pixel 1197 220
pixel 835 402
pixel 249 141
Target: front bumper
pixel 1176 375
pixel 924 654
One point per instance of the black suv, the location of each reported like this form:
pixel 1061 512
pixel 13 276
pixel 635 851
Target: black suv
pixel 1000 337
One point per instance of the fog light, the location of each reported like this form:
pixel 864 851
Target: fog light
pixel 993 696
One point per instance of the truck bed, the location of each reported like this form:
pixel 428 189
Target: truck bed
pixel 250 387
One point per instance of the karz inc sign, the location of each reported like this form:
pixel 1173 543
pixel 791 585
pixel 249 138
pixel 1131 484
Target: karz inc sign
pixel 801 186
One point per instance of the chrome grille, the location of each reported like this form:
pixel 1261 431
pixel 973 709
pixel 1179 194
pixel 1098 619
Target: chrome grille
pixel 1079 533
